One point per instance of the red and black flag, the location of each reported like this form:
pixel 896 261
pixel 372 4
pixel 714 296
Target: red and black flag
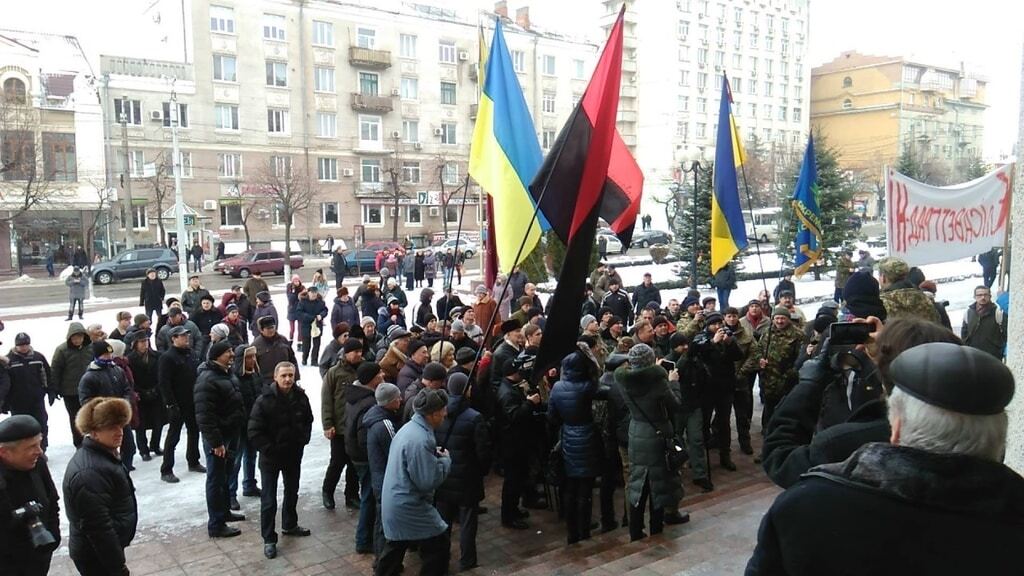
pixel 589 172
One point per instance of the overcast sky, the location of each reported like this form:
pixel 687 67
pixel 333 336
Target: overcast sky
pixel 986 35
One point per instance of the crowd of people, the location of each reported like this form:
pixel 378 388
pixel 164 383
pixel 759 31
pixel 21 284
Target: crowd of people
pixel 420 408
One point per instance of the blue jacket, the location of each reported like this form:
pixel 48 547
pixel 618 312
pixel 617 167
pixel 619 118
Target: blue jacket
pixel 570 405
pixel 307 311
pixel 344 311
pixel 414 471
pixel 381 427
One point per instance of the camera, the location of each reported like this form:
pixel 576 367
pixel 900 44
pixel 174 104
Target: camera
pixel 728 330
pixel 29 515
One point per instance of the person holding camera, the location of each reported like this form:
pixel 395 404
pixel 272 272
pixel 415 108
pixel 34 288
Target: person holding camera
pixel 518 404
pixel 717 351
pixel 29 512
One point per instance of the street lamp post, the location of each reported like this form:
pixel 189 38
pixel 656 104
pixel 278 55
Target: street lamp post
pixel 695 166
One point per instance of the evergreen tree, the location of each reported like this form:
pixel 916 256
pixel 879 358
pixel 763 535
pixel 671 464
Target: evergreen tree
pixel 682 229
pixel 908 165
pixel 835 194
pixel 975 168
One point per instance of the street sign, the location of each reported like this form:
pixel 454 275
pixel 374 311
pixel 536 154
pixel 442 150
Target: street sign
pixel 190 219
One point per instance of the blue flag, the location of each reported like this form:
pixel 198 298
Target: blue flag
pixel 808 213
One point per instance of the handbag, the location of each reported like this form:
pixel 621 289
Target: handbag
pixel 675 455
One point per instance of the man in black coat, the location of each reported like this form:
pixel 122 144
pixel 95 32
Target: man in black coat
pixel 466 436
pixel 358 400
pixel 220 414
pixel 272 349
pixel 176 377
pixel 935 499
pixel 25 478
pixel 151 294
pixel 338 266
pixel 104 379
pixel 516 413
pixel 645 293
pixel 30 383
pixel 717 351
pixel 617 300
pixel 279 428
pixel 206 316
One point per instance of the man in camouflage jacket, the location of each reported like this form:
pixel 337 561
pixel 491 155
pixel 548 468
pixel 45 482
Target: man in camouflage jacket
pixel 777 351
pixel 899 295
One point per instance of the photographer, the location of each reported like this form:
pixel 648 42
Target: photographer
pixel 839 404
pixel 717 351
pixel 27 497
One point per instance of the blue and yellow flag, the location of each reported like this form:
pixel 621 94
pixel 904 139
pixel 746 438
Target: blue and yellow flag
pixel 808 213
pixel 505 155
pixel 728 234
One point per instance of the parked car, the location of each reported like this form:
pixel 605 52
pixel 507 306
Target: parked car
pixel 362 261
pixel 468 247
pixel 134 263
pixel 614 244
pixel 645 238
pixel 264 261
pixel 381 245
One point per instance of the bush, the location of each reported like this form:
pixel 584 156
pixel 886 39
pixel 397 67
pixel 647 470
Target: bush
pixel 658 253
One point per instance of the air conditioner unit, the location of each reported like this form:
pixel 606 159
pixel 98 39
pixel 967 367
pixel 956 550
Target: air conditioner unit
pixel 417 146
pixel 209 204
pixel 156 115
pixel 463 55
pixel 347 172
pixel 396 92
pixel 434 211
pixel 721 20
pixel 438 131
pixel 703 41
pixel 395 134
pixel 393 211
pixel 756 28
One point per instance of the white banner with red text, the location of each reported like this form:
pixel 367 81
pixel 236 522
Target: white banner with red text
pixel 929 224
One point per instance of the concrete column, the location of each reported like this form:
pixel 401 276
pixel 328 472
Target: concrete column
pixel 1015 351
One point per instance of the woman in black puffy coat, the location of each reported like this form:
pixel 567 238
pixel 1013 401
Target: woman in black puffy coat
pixel 570 408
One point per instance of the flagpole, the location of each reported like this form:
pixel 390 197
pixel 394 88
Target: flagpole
pixel 451 272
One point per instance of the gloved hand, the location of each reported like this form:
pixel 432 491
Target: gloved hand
pixel 53 396
pixel 173 413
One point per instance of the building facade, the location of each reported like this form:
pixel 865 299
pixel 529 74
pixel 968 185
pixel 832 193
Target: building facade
pixel 359 96
pixel 52 191
pixel 675 55
pixel 872 109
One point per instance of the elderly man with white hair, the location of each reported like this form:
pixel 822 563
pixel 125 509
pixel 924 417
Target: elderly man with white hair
pixel 936 499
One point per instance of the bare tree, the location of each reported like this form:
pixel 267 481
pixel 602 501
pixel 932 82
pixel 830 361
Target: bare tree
pixel 290 191
pixel 392 167
pixel 29 176
pixel 161 183
pixel 250 202
pixel 102 217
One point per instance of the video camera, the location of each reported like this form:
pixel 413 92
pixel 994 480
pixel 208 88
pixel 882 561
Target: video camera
pixel 29 515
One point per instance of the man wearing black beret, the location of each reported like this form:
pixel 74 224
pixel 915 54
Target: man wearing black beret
pixel 25 479
pixel 936 499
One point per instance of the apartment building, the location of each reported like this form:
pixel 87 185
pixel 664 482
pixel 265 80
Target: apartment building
pixel 675 54
pixel 350 93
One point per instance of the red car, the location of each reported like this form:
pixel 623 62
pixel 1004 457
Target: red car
pixel 262 261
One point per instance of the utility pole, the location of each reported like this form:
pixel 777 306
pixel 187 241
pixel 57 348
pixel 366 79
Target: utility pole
pixel 179 201
pixel 129 240
pixel 695 167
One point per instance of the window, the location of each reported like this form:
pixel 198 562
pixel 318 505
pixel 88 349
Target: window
pixel 327 124
pixel 683 5
pixel 410 131
pixel 847 82
pixel 18 155
pixel 911 74
pixel 768 43
pixel 182 114
pixel 784 68
pixel 702 81
pixel 448 93
pixel 578 71
pixel 719 58
pixel 373 215
pixel 410 88
pixel 446 51
pixel 754 41
pixel 782 113
pixel 369 170
pixel 185 162
pixel 847 104
pixel 224 68
pixel 753 64
pixel 222 19
pixel 225 116
pixel 683 29
pixel 132 110
pixel 737 40
pixel 752 87
pixel 769 20
pixel 684 77
pixel 327 169
pixel 413 215
pixel 136 163
pixel 767 88
pixel 737 62
pixel 14 91
pixel 369 129
pixel 684 53
pixel 548 102
pixel 369 83
pixel 323 79
pixel 59 161
pixel 407 45
pixel 702 56
pixel 784 49
pixel 519 61
pixel 753 110
pixel 450 173
pixel 366 38
pixel 451 214
pixel 139 220
pixel 277 121
pixel 411 172
pixel 737 15
pixel 766 134
pixel 737 85
pixel 547 139
pixel 767 110
pixel 548 68
pixel 785 26
pixel 323 33
pixel 229 165
pixel 796 114
pixel 273 27
pixel 702 105
pixel 769 65
pixel 281 166
pixel 278 216
pixel 277 73
pixel 230 213
pixel 448 133
pixel 684 103
pixel 682 130
pixel 329 214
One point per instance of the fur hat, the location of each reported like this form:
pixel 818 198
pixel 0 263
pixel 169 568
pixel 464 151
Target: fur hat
pixel 429 401
pixel 103 413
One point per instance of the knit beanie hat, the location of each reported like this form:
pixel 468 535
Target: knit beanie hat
pixel 641 356
pixel 429 401
pixel 101 347
pixel 351 345
pixel 367 371
pixel 217 349
pixel 464 355
pixel 220 330
pixel 781 311
pixel 386 393
pixel 861 296
pixel 434 371
pixel 586 320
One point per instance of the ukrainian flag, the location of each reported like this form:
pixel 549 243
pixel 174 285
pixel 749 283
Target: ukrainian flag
pixel 505 155
pixel 728 235
pixel 808 214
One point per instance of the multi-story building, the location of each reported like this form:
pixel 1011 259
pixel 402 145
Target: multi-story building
pixel 350 93
pixel 675 55
pixel 873 108
pixel 51 154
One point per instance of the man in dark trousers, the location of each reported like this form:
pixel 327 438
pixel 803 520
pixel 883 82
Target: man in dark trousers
pixel 151 294
pixel 176 376
pixel 338 266
pixel 30 383
pixel 70 361
pixel 279 428
pixel 716 350
pixel 220 415
pixel 272 349
pixel 196 252
pixel 25 478
pixel 359 399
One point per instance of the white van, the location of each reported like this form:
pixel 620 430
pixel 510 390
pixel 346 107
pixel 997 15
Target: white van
pixel 762 225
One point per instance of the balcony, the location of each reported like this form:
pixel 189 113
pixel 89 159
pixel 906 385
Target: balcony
pixel 368 58
pixel 371 103
pixel 473 73
pixel 472 111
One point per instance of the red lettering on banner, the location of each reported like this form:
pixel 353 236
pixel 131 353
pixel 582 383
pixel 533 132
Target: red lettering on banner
pixel 947 225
